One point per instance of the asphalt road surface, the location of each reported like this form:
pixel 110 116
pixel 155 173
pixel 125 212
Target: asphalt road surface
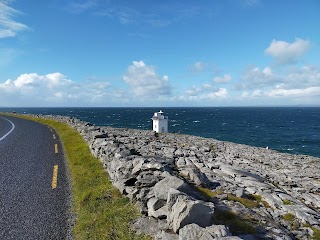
pixel 35 196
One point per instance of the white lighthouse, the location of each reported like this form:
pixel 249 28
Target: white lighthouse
pixel 160 122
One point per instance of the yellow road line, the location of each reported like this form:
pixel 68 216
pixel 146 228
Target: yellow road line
pixel 55 176
pixel 54 136
pixel 56 148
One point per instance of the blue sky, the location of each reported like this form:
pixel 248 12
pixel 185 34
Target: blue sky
pixel 107 53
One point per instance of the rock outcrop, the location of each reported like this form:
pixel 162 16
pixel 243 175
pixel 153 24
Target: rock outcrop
pixel 190 187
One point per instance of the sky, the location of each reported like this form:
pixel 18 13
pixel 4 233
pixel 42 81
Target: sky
pixel 169 53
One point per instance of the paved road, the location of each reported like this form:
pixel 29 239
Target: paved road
pixel 34 188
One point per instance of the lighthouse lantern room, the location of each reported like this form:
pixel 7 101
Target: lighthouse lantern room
pixel 160 122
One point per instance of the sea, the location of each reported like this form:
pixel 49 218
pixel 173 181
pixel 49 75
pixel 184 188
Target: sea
pixel 294 130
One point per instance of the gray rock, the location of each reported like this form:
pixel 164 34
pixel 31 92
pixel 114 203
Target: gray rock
pixel 181 162
pixel 218 231
pixel 186 211
pixel 145 167
pixel 198 177
pixel 163 235
pixel 161 188
pixel 193 231
pixel 229 238
pixel 147 179
pixel 173 195
pixel 157 208
pixel 240 193
pixel 148 225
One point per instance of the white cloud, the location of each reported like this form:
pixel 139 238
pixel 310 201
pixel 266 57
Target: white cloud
pixel 245 94
pixel 306 76
pixel 221 93
pixel 32 89
pixel 205 92
pixel 198 66
pixel 255 77
pixel 79 7
pixel 294 77
pixel 295 93
pixel 158 14
pixel 257 93
pixel 225 79
pixel 284 52
pixel 144 80
pixel 33 80
pixel 292 85
pixel 8 26
pixel 194 91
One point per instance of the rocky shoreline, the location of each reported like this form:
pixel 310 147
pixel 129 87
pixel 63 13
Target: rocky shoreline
pixel 189 187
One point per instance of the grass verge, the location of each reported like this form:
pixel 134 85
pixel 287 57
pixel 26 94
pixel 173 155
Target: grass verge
pixel 101 211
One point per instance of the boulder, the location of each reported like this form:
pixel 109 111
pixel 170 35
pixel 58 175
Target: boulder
pixel 163 235
pixel 218 231
pixel 198 177
pixel 157 208
pixel 240 193
pixel 193 231
pixel 185 211
pixel 162 187
pixel 147 225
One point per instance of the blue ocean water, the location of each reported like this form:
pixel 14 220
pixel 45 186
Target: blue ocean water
pixel 293 130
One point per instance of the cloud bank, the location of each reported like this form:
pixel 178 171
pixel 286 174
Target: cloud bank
pixel 32 89
pixel 144 86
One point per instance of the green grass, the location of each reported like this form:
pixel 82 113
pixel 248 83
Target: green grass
pixel 236 224
pixel 316 233
pixel 288 217
pixel 260 200
pixel 207 192
pixel 100 210
pixel 212 147
pixel 286 202
pixel 249 203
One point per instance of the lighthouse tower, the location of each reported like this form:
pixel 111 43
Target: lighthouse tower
pixel 160 122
